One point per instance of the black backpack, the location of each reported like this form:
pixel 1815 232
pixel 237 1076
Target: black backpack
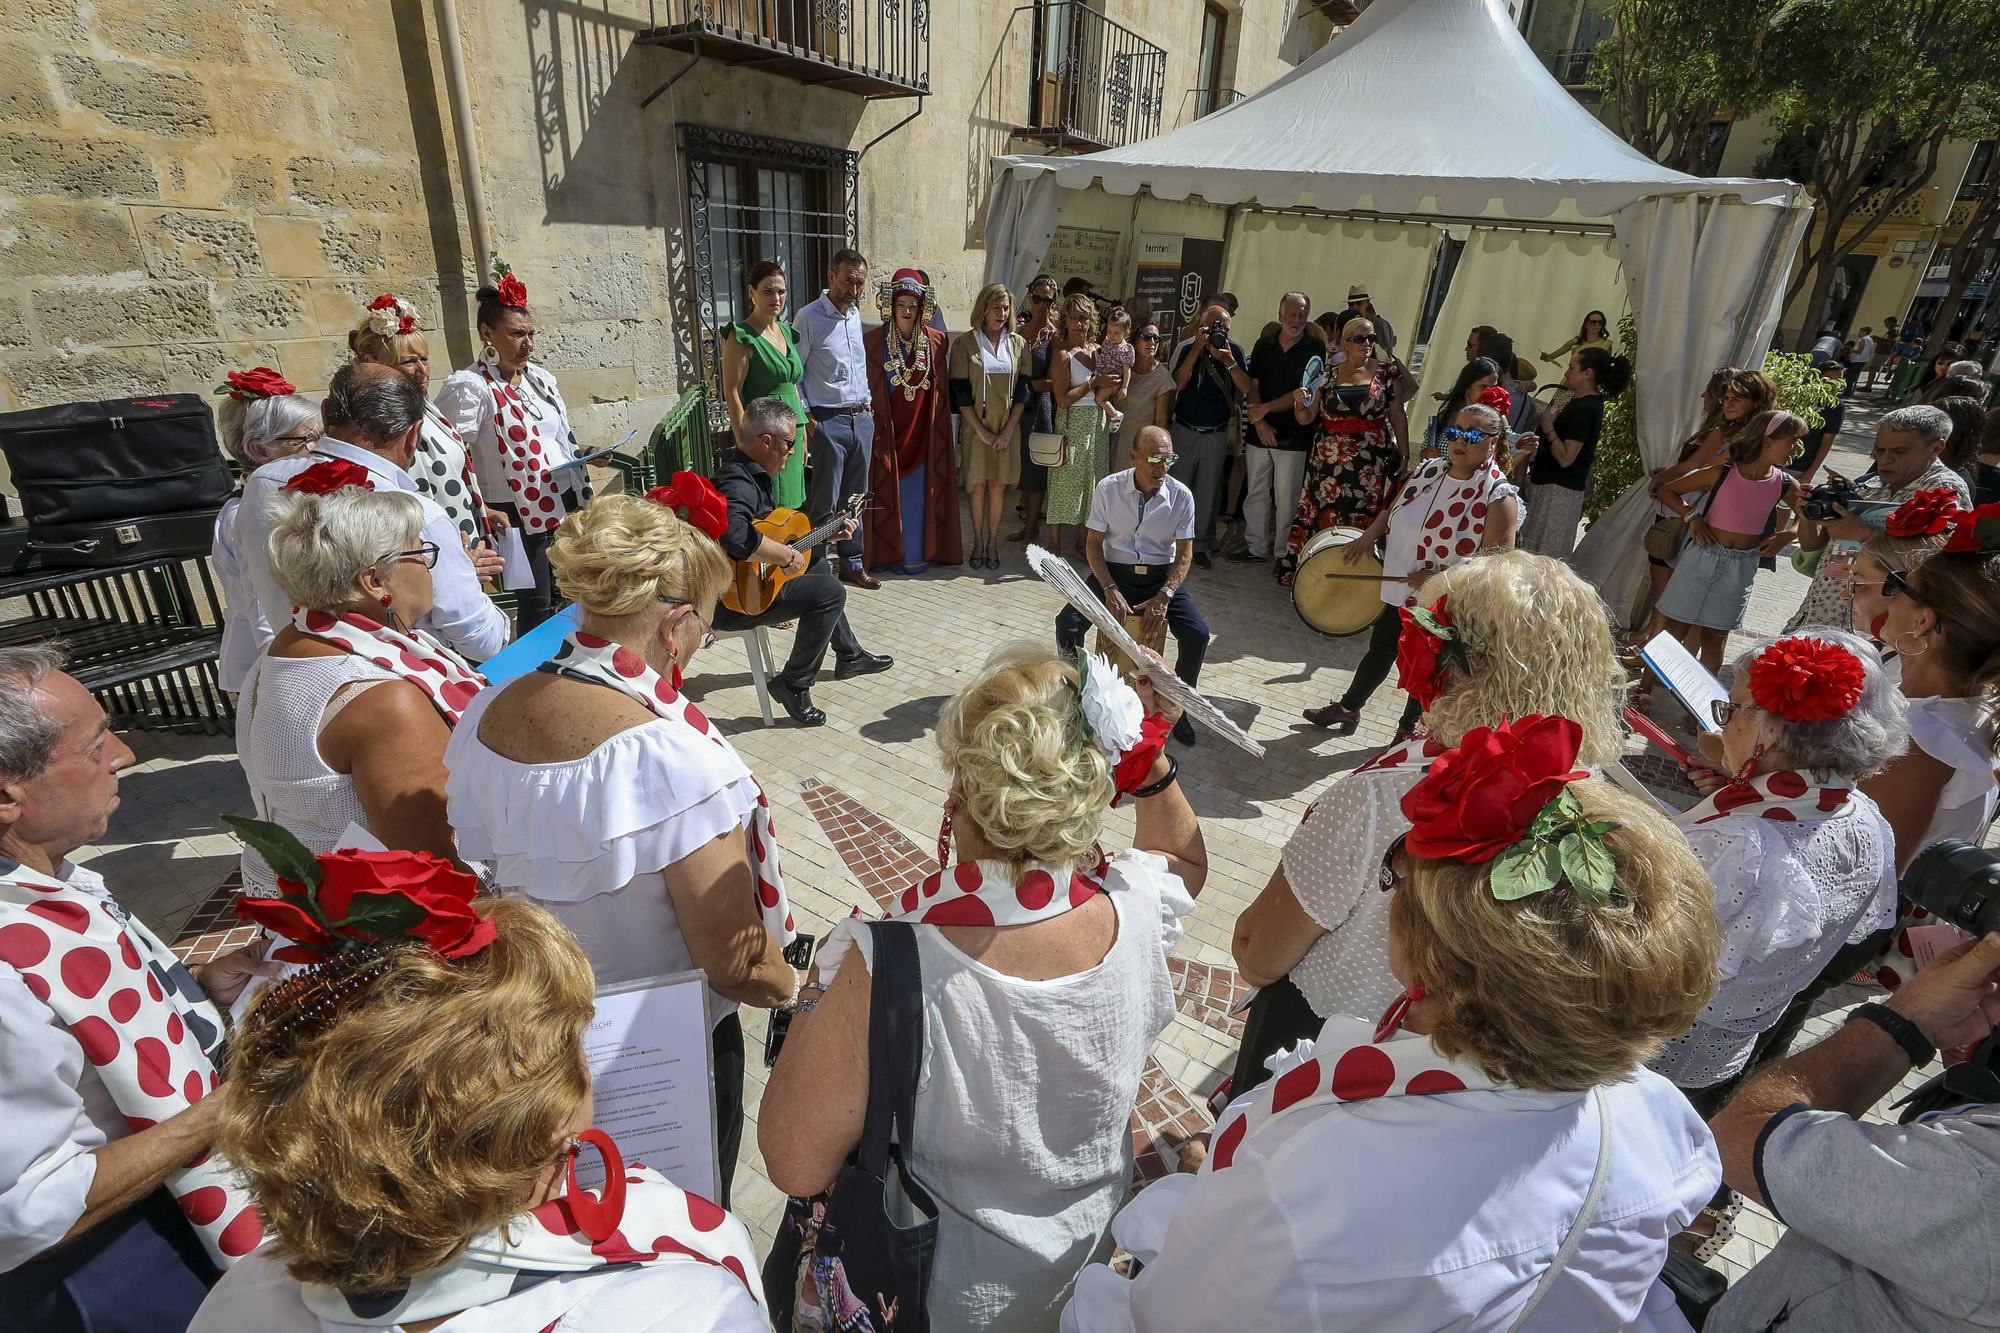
pixel 121 458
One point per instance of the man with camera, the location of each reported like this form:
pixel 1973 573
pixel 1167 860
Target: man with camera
pixel 1890 1226
pixel 1209 383
pixel 1841 515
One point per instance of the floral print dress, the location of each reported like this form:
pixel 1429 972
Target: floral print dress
pixel 1353 468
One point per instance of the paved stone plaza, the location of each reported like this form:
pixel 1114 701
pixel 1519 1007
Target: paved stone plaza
pixel 857 801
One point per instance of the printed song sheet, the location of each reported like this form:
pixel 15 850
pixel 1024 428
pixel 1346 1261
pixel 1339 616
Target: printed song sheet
pixel 1688 679
pixel 648 1049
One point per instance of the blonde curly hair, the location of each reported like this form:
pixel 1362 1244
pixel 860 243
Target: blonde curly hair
pixel 619 555
pixel 423 1113
pixel 1553 992
pixel 1023 772
pixel 1539 641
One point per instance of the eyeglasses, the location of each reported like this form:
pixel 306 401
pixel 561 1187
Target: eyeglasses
pixel 1158 460
pixel 425 555
pixel 707 630
pixel 306 437
pixel 1454 435
pixel 1039 298
pixel 1724 709
pixel 1389 879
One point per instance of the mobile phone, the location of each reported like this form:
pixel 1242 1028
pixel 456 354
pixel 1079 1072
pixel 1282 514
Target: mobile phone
pixel 799 953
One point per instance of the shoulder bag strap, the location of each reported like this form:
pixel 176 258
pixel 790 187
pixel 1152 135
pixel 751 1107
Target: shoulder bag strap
pixel 895 1042
pixel 1583 1216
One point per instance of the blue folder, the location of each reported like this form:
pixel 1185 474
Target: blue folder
pixel 532 649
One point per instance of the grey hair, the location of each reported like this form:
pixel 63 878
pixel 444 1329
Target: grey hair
pixel 381 403
pixel 248 426
pixel 322 543
pixel 28 735
pixel 1919 419
pixel 1969 368
pixel 1856 744
pixel 766 416
pixel 1303 299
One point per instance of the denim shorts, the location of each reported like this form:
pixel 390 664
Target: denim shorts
pixel 1710 586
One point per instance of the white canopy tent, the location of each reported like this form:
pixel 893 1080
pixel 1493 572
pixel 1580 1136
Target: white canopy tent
pixel 1436 111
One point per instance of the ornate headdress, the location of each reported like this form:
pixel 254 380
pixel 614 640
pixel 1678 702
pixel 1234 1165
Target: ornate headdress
pixel 1803 679
pixel 1503 795
pixel 1111 717
pixel 695 499
pixel 391 316
pixel 247 386
pixel 907 365
pixel 513 292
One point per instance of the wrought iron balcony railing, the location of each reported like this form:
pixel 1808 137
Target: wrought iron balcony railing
pixel 1095 83
pixel 1572 67
pixel 873 48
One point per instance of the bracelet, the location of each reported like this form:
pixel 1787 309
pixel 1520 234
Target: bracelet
pixel 800 1006
pixel 1155 788
pixel 1901 1030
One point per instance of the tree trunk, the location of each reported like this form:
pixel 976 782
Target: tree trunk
pixel 1824 266
pixel 1965 256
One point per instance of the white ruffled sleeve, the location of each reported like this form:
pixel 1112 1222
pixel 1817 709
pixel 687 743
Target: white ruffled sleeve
pixel 643 800
pixel 1334 858
pixel 1134 871
pixel 1760 910
pixel 1951 732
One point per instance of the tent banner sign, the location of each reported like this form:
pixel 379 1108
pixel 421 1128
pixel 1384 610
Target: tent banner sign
pixel 1201 275
pixel 1083 252
pixel 1157 285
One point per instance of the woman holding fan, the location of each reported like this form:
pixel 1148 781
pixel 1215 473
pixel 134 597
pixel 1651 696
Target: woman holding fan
pixel 596 788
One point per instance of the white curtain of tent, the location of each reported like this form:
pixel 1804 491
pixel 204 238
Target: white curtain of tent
pixel 1021 218
pixel 1532 286
pixel 1704 276
pixel 1273 253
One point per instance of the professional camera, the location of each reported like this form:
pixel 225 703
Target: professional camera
pixel 1218 334
pixel 1959 884
pixel 1821 501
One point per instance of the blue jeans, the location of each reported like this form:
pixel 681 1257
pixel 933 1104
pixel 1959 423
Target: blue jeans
pixel 839 456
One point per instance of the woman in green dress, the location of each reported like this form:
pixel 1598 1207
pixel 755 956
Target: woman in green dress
pixel 760 359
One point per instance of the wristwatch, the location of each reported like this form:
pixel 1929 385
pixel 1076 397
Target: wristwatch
pixel 1901 1030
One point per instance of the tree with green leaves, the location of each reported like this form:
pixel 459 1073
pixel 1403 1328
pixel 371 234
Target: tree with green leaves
pixel 1672 68
pixel 1870 93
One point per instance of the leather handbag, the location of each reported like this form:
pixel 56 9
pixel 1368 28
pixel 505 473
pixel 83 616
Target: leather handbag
pixel 862 1253
pixel 1047 449
pixel 1663 540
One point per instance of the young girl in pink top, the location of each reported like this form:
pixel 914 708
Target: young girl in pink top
pixel 1731 508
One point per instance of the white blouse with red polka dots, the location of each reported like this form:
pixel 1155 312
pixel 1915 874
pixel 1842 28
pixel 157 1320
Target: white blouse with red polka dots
pixel 519 434
pixel 1438 521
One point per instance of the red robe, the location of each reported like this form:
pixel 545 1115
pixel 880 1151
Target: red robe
pixel 910 432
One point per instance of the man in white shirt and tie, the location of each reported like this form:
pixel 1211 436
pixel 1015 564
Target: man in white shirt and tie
pixel 835 387
pixel 1139 542
pixel 374 415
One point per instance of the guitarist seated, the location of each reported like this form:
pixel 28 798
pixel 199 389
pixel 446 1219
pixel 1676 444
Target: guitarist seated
pixel 816 597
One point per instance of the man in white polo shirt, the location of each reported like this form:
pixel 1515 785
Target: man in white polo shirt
pixel 1139 541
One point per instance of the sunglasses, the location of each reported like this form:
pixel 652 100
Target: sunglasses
pixel 1893 584
pixel 707 630
pixel 425 555
pixel 1148 338
pixel 1037 298
pixel 1363 340
pixel 1455 435
pixel 1389 879
pixel 1724 709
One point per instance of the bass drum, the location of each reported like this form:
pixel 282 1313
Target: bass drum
pixel 1331 595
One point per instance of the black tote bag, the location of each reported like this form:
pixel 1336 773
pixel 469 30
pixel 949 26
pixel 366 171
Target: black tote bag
pixel 865 1248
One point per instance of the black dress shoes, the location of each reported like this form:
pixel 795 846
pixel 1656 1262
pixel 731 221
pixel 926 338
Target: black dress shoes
pixel 1184 730
pixel 798 704
pixel 861 664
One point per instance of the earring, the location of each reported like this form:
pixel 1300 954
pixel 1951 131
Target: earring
pixel 944 838
pixel 489 352
pixel 386 601
pixel 674 660
pixel 598 1217
pixel 1901 651
pixel 1399 1009
pixel 1749 769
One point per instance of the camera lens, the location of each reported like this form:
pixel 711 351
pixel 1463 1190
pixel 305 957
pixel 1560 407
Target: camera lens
pixel 1957 883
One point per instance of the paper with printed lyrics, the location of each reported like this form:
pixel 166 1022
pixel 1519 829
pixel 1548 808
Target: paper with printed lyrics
pixel 648 1051
pixel 1059 574
pixel 578 464
pixel 1687 678
pixel 516 573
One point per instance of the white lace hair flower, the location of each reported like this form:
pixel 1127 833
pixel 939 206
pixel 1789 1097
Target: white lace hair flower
pixel 1112 713
pixel 391 315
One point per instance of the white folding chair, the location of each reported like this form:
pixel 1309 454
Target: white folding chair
pixel 757 647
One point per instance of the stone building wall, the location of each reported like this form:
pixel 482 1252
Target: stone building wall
pixel 189 186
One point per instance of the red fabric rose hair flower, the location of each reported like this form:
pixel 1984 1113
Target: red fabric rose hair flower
pixel 1135 765
pixel 513 292
pixel 1426 646
pixel 1925 514
pixel 1496 398
pixel 695 499
pixel 1480 799
pixel 343 900
pixel 254 383
pixel 1803 679
pixel 1975 531
pixel 386 301
pixel 326 477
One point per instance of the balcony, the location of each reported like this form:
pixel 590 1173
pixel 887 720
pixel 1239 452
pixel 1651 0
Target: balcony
pixel 1201 102
pixel 1096 84
pixel 871 48
pixel 1572 67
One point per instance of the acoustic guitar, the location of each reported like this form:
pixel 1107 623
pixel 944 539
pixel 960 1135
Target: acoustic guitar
pixel 754 586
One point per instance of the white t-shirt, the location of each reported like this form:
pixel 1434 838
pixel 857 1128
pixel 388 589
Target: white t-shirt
pixel 259 1296
pixel 589 838
pixel 1418 1213
pixel 1024 1104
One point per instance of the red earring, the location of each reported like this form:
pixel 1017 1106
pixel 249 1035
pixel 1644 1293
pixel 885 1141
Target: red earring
pixel 1397 1012
pixel 598 1217
pixel 387 601
pixel 944 839
pixel 674 654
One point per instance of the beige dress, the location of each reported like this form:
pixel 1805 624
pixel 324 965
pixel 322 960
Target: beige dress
pixel 991 397
pixel 1142 402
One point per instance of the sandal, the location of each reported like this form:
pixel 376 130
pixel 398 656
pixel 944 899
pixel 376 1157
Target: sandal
pixel 1334 717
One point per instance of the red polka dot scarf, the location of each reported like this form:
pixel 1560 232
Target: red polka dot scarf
pixel 444 677
pixel 1415 755
pixel 517 438
pixel 588 657
pixel 526 1262
pixel 1783 795
pixel 1343 1064
pixel 987 894
pixel 142 1021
